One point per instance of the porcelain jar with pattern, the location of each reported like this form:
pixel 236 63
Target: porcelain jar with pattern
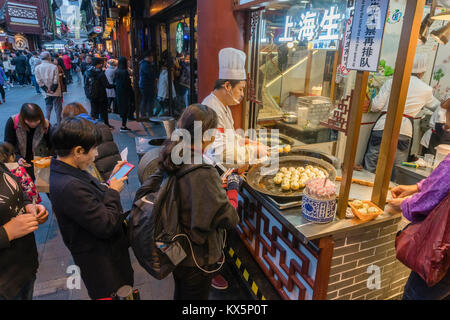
pixel 318 210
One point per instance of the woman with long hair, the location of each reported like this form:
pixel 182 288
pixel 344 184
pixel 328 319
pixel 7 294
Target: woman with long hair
pixel 124 91
pixel 29 132
pixel 204 209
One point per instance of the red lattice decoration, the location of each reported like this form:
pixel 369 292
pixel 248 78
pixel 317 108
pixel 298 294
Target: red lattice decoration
pixel 339 121
pixel 254 224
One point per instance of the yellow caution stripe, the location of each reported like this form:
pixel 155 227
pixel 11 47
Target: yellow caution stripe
pixel 245 274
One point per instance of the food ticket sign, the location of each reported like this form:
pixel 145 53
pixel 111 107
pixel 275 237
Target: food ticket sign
pixel 367 34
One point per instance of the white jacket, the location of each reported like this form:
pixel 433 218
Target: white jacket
pixel 47 74
pixel 110 72
pixel 419 95
pixel 228 146
pixel 163 86
pixel 437 117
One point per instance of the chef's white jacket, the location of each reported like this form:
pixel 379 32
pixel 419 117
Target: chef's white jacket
pixel 437 117
pixel 227 144
pixel 419 95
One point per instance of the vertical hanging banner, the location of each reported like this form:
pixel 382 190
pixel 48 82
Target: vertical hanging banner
pixel 367 34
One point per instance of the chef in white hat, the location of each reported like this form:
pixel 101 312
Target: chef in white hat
pixel 229 90
pixel 419 95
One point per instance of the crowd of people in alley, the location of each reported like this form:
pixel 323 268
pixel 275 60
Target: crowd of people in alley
pixel 86 197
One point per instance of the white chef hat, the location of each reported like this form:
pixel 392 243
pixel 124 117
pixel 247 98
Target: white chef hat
pixel 232 64
pixel 420 63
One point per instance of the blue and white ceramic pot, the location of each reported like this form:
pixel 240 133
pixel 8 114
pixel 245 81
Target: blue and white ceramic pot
pixel 317 210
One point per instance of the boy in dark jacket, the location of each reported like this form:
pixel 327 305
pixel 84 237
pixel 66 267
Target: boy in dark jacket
pixel 89 214
pixel 96 84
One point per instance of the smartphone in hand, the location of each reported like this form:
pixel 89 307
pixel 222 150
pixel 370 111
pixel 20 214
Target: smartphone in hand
pixel 123 171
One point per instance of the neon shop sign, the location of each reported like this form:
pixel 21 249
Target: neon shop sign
pixel 311 27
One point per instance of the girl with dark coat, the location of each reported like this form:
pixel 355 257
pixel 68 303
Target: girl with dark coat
pixel 18 253
pixel 204 208
pixel 124 91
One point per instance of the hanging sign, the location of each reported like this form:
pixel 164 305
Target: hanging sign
pixel 346 46
pixel 98 29
pixel 367 34
pixel 180 37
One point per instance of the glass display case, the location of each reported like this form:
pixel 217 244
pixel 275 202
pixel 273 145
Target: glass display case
pixel 294 51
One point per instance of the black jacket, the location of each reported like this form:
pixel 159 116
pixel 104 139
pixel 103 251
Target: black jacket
pixel 108 152
pixel 124 90
pixel 147 76
pixel 205 212
pixel 101 84
pixel 21 63
pixel 90 218
pixel 18 258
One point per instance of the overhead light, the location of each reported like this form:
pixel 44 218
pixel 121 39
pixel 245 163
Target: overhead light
pixel 442 16
pixel 290 45
pixel 424 28
pixel 442 35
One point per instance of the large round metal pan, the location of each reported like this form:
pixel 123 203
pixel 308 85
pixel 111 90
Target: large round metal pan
pixel 266 185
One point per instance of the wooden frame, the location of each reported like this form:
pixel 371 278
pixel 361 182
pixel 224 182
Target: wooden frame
pixel 400 84
pixel 326 246
pixel 353 128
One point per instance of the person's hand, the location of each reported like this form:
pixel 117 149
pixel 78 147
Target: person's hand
pixel 23 163
pixel 403 191
pixel 396 203
pixel 20 226
pixel 117 167
pixel 41 214
pixel 233 181
pixel 117 184
pixel 262 150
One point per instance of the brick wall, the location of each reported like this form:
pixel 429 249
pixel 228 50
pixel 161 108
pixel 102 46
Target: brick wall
pixel 355 251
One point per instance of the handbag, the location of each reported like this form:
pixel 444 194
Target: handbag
pixel 424 247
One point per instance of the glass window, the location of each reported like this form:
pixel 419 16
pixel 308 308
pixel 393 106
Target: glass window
pixel 297 58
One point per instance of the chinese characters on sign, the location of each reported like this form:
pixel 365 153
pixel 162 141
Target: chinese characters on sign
pixel 367 35
pixel 346 46
pixel 322 30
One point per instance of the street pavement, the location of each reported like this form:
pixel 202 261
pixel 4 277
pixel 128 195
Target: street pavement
pixel 54 257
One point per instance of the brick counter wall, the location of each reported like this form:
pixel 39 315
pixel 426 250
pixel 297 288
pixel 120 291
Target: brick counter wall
pixel 355 251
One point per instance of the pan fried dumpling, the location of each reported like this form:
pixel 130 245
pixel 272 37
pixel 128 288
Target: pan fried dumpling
pixel 362 210
pixel 295 186
pixel 286 186
pixel 278 179
pixel 357 203
pixel 372 210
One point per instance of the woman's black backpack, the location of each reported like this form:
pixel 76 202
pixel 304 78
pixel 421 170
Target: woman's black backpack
pixel 153 225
